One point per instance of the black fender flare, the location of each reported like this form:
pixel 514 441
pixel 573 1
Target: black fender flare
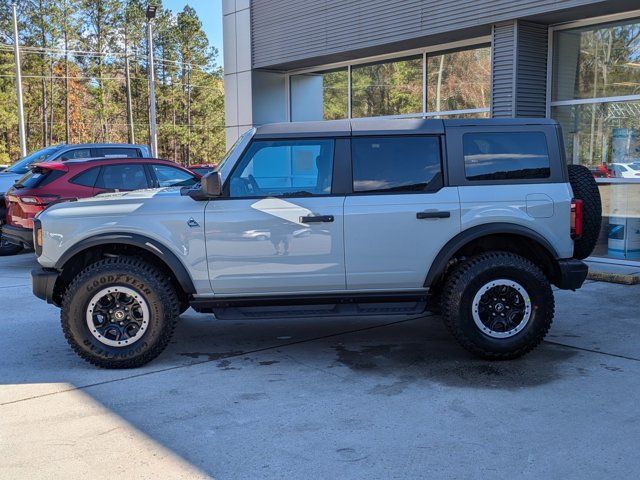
pixel 461 239
pixel 154 247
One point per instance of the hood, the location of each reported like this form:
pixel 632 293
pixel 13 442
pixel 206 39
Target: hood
pixel 7 179
pixel 120 203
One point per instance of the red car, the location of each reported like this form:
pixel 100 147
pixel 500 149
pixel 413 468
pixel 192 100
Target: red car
pixel 56 181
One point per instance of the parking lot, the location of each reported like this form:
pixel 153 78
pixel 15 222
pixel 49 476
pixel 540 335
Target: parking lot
pixel 357 398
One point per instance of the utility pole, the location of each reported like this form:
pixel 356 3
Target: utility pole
pixel 67 123
pixel 16 47
pixel 153 131
pixel 132 138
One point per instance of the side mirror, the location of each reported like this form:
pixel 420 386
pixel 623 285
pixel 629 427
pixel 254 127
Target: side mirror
pixel 211 184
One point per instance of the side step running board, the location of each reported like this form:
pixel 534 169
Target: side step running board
pixel 308 311
pixel 404 303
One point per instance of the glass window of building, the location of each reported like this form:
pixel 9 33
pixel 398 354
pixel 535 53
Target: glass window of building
pixel 596 99
pixel 387 88
pixel 597 61
pixel 457 83
pixel 320 96
pixel 459 80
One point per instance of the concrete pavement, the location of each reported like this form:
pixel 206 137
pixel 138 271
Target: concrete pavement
pixel 357 398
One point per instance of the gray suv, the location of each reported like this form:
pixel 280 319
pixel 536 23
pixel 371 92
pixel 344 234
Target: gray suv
pixel 475 219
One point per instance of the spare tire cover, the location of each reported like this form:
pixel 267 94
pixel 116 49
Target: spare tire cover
pixel 585 188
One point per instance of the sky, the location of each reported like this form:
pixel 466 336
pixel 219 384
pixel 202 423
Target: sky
pixel 210 13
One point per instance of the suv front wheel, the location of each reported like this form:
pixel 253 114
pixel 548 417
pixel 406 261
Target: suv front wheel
pixel 119 313
pixel 498 305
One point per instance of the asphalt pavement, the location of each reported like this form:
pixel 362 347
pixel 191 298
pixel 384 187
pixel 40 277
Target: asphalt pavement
pixel 375 398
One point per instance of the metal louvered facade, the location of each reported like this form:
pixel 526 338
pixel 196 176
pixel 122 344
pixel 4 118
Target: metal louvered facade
pixel 286 33
pixel 519 69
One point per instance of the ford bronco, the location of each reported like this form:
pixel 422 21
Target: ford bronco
pixel 475 219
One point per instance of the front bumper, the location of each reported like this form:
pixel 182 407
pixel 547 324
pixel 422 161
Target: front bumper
pixel 571 273
pixel 43 281
pixel 18 235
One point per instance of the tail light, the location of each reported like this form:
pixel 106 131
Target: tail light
pixel 38 201
pixel 576 218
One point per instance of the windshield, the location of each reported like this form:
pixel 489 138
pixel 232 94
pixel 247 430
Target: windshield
pixel 22 166
pixel 226 164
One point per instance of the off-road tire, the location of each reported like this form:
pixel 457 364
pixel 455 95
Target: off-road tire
pixel 149 282
pixel 468 278
pixel 585 188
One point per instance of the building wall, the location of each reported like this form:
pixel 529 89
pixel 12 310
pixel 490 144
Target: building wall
pixel 265 39
pixel 300 33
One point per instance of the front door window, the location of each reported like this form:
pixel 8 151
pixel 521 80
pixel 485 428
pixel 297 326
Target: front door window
pixel 284 168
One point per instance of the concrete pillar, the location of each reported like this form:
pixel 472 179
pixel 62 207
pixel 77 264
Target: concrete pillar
pixel 236 26
pixel 252 97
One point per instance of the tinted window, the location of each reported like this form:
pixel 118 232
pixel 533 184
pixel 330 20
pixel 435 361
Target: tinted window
pixel 395 164
pixel 119 152
pixel 506 156
pixel 39 177
pixel 123 177
pixel 287 167
pixel 173 177
pixel 77 153
pixel 87 178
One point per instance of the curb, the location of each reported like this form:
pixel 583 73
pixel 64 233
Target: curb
pixel 621 278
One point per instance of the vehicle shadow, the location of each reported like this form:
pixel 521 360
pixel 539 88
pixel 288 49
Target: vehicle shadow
pixel 416 350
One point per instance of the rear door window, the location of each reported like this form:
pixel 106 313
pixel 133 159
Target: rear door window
pixel 400 164
pixel 506 156
pixel 123 177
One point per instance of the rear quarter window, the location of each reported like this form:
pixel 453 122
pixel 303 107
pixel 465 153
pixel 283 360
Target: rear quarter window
pixel 87 178
pixel 506 156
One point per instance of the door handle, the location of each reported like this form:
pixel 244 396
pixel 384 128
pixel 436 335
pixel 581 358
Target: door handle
pixel 317 219
pixel 433 214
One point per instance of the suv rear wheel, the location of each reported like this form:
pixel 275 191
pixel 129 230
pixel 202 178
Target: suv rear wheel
pixel 119 313
pixel 498 305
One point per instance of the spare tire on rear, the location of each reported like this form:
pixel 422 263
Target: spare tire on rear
pixel 585 188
